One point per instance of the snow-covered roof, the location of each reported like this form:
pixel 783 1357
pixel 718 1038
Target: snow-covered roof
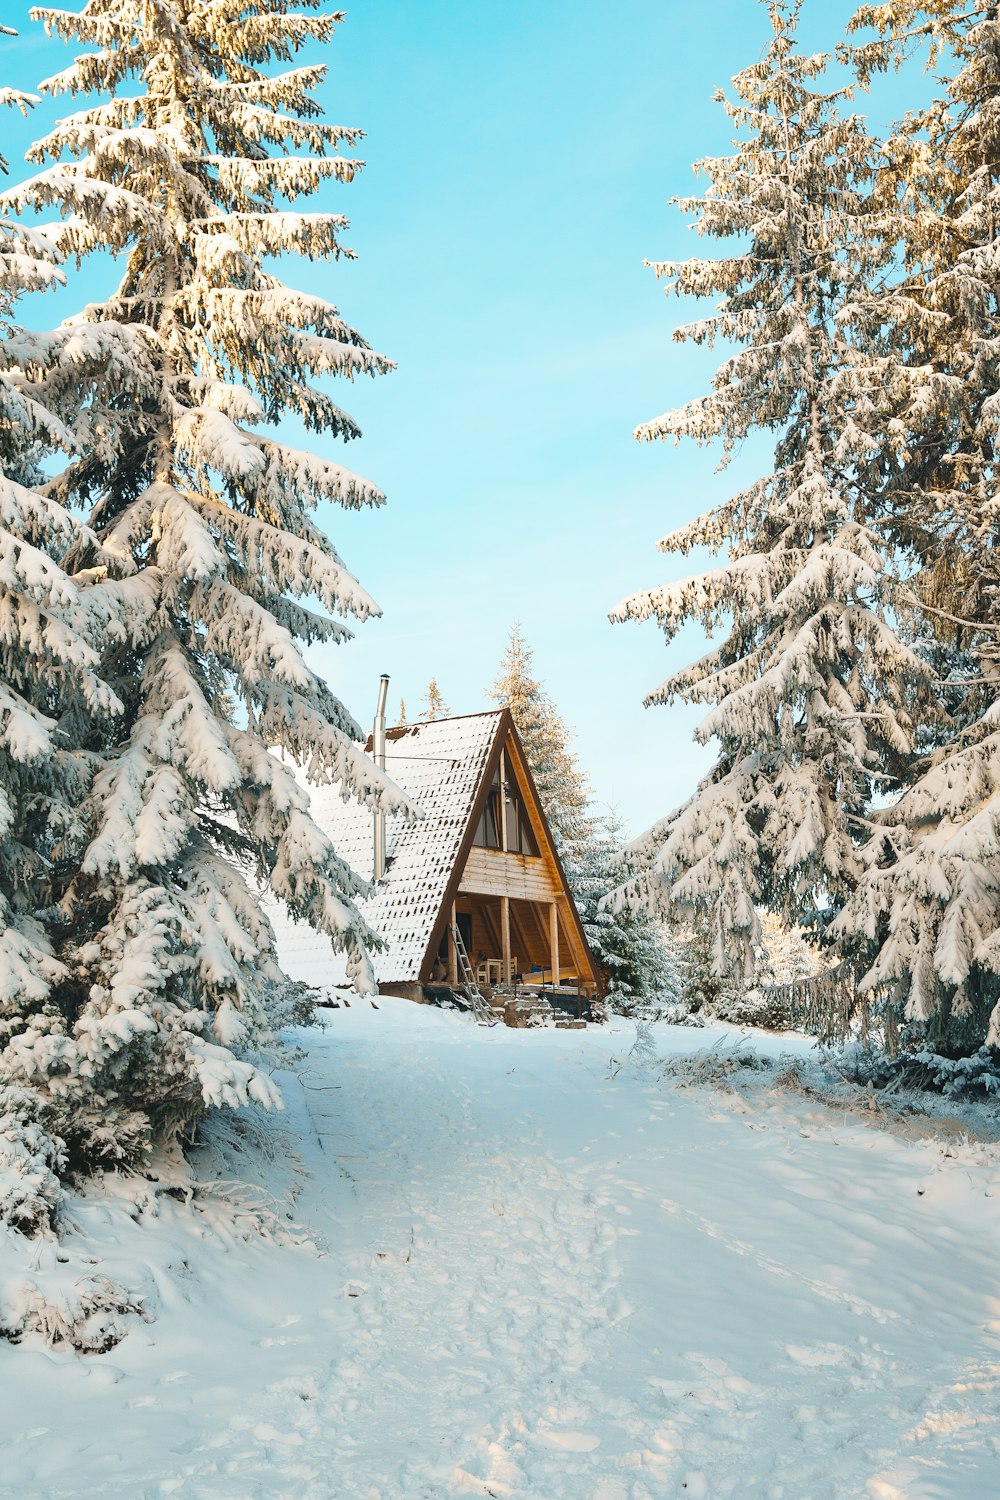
pixel 440 766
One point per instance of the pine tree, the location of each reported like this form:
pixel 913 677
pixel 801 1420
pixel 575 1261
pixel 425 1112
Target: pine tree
pixel 624 939
pixel 199 559
pixel 35 804
pixel 402 711
pixel 433 705
pixel 562 785
pixel 690 952
pixel 927 913
pixel 809 686
pixel 50 690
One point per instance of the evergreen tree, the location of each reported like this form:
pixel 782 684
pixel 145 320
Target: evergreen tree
pixel 50 689
pixel 402 711
pixel 809 686
pixel 198 561
pixel 690 952
pixel 433 705
pixel 927 913
pixel 624 938
pixel 562 785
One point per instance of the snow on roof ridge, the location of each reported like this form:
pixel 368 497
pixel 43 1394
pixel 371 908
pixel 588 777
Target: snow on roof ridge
pixel 413 726
pixel 480 713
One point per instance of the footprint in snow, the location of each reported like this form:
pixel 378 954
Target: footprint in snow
pixel 570 1442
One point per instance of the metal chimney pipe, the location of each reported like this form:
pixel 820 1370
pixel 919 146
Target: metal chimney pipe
pixel 378 750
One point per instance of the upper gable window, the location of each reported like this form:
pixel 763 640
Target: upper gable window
pixel 489 830
pixel 520 838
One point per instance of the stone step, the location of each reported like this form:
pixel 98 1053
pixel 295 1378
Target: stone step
pixel 527 1012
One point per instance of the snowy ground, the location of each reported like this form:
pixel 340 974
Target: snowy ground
pixel 544 1274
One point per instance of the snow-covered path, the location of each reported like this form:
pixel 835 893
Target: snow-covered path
pixel 547 1276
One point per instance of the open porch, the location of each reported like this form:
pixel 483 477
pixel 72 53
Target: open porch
pixel 515 945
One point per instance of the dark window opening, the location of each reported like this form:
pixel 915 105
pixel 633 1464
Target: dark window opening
pixel 463 920
pixel 520 838
pixel 489 831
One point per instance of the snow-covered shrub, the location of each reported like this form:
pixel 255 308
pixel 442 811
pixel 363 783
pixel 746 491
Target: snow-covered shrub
pixel 974 1076
pixel 290 1003
pixel 680 1014
pixel 716 1067
pixel 64 1303
pixel 771 1010
pixel 30 1162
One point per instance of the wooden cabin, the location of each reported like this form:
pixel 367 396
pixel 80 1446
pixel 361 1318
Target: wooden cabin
pixel 482 859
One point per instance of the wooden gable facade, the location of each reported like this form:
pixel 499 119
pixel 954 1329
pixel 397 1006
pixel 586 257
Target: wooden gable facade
pixel 508 894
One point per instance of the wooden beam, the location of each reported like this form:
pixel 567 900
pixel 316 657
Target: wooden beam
pixel 452 952
pixel 576 949
pixel 521 938
pixel 540 917
pixel 503 801
pixel 491 932
pixel 554 941
pixel 505 936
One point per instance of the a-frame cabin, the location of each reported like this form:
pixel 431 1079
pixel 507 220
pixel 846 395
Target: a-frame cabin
pixel 482 858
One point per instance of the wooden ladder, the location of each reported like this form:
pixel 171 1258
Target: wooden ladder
pixel 480 1007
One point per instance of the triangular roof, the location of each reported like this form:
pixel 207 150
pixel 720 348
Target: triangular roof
pixel 441 766
pixel 445 767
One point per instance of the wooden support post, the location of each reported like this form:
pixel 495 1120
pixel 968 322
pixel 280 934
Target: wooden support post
pixel 505 936
pixel 452 952
pixel 503 800
pixel 554 941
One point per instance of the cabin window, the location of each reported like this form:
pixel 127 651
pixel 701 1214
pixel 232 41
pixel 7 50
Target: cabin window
pixel 520 839
pixel 489 832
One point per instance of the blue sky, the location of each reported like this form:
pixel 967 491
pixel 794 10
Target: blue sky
pixel 520 161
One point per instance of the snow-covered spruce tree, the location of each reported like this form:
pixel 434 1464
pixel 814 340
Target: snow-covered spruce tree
pixel 35 797
pixel 432 705
pixel 50 692
pixel 689 949
pixel 809 685
pixel 625 939
pixel 202 543
pixel 926 916
pixel 562 785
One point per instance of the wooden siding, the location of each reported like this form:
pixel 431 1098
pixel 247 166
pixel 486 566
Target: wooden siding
pixel 488 872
